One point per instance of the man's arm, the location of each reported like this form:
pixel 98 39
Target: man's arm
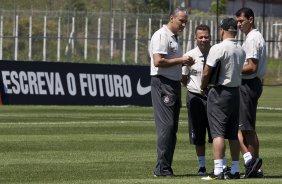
pixel 160 61
pixel 206 77
pixel 251 66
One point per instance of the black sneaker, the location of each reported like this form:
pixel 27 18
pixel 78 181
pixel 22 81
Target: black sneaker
pixel 226 169
pixel 258 174
pixel 214 177
pixel 165 173
pixel 252 167
pixel 230 176
pixel 202 171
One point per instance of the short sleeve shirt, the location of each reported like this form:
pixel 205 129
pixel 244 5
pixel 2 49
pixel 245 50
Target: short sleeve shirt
pixel 232 57
pixel 254 46
pixel 194 71
pixel 165 42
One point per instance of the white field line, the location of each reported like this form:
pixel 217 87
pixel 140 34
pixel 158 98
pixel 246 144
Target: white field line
pixel 116 122
pixel 70 122
pixel 270 108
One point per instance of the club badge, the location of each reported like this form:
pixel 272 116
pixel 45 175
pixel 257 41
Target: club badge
pixel 166 99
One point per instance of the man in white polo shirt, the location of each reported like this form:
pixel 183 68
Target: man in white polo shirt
pixel 223 98
pixel 253 71
pixel 195 102
pixel 166 66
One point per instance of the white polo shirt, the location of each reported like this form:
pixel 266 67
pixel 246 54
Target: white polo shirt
pixel 195 71
pixel 232 57
pixel 164 42
pixel 254 46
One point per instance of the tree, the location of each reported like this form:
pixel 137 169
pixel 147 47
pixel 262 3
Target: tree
pixel 222 4
pixel 75 5
pixel 148 6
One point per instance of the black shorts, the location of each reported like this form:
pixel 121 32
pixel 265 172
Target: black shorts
pixel 250 91
pixel 223 112
pixel 197 119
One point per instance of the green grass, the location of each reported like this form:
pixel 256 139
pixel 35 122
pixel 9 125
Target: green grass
pixel 87 144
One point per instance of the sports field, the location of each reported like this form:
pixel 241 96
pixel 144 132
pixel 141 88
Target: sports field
pixel 86 144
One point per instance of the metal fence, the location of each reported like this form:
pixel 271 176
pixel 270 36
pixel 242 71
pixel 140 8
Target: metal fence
pixel 100 37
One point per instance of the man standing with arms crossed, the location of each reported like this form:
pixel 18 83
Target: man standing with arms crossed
pixel 253 71
pixel 223 98
pixel 166 64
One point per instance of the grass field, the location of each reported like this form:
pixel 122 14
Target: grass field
pixel 86 144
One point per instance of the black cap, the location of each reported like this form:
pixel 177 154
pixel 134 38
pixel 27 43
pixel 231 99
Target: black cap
pixel 229 24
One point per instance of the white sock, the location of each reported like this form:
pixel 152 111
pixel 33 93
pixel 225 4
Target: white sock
pixel 202 161
pixel 247 157
pixel 224 163
pixel 218 166
pixel 235 167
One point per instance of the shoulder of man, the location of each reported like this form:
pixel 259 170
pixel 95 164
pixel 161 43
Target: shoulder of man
pixel 190 52
pixel 216 47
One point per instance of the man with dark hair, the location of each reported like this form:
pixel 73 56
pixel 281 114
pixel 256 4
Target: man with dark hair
pixel 223 98
pixel 166 64
pixel 252 76
pixel 195 102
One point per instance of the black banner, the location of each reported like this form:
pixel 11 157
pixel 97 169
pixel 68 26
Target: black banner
pixel 57 83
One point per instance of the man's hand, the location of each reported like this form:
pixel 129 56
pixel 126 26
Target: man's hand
pixel 187 61
pixel 203 92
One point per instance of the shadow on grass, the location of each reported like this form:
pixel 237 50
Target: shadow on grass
pixel 185 175
pixel 272 177
pixel 265 177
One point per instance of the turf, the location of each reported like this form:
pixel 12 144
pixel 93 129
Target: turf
pixel 90 144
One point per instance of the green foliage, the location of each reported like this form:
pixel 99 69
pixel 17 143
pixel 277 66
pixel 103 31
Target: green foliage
pixel 221 6
pixel 75 5
pixel 148 6
pixel 199 13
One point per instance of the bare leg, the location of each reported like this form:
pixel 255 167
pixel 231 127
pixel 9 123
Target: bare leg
pixel 200 150
pixel 243 145
pixel 218 148
pixel 252 142
pixel 234 149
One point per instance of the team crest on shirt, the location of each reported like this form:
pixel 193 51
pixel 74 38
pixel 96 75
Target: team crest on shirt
pixel 195 72
pixel 166 99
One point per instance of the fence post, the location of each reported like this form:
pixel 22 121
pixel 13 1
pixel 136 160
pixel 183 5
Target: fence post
pixel 85 38
pixel 1 38
pixel 149 32
pixel 98 39
pixel 189 42
pixel 16 32
pixel 112 39
pixel 184 39
pixel 30 39
pixel 59 40
pixel 276 42
pixel 124 40
pixel 267 37
pixel 212 33
pixel 136 41
pixel 44 38
pixel 161 23
pixel 72 39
